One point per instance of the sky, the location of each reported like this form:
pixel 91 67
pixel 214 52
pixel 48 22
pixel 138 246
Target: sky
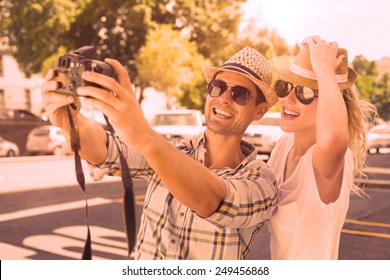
pixel 360 26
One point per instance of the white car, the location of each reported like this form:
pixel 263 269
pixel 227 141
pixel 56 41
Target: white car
pixel 47 139
pixel 8 149
pixel 177 124
pixel 378 137
pixel 264 133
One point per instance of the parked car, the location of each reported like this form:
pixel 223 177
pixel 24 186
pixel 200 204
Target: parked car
pixel 16 124
pixel 19 115
pixel 47 139
pixel 378 137
pixel 264 133
pixel 177 124
pixel 8 149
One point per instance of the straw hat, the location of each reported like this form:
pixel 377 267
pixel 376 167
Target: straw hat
pixel 301 72
pixel 251 64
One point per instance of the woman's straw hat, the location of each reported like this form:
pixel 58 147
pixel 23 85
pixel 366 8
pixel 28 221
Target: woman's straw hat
pixel 301 72
pixel 251 64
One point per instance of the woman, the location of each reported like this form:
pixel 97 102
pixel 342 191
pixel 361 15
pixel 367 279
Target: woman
pixel 316 161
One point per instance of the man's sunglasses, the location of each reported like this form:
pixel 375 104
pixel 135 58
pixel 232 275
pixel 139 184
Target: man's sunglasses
pixel 305 95
pixel 241 95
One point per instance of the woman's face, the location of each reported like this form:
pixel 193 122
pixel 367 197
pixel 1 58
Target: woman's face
pixel 295 116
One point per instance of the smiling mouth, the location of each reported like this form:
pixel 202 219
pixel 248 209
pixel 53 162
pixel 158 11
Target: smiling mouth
pixel 290 113
pixel 222 113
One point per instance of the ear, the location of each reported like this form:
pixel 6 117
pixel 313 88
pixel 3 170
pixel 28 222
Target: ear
pixel 261 108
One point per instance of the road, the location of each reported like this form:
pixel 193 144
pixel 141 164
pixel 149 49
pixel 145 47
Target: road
pixel 42 213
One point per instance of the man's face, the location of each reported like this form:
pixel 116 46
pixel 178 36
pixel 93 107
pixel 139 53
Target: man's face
pixel 224 116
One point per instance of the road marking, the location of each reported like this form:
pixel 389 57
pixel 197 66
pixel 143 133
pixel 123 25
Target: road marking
pixel 377 170
pixel 62 207
pixel 366 233
pixel 99 235
pixel 375 224
pixel 138 199
pixel 53 208
pixel 69 242
pixel 371 181
pixel 11 252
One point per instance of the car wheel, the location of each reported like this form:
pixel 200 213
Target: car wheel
pixel 11 153
pixel 58 151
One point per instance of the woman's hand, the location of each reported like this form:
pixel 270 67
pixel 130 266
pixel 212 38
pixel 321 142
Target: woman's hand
pixel 323 54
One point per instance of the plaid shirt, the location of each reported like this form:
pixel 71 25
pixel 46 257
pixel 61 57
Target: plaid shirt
pixel 170 230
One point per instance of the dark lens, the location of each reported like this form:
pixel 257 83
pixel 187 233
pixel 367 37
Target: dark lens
pixel 241 95
pixel 216 88
pixel 282 88
pixel 304 95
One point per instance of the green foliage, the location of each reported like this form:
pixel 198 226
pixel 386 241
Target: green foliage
pixel 381 97
pixel 266 41
pixel 182 36
pixel 170 63
pixel 373 88
pixel 34 28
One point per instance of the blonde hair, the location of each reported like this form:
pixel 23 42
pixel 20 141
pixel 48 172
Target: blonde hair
pixel 360 115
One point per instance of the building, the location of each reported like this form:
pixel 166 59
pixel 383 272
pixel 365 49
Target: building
pixel 17 91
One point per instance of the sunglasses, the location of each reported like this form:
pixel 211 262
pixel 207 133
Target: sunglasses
pixel 305 95
pixel 241 95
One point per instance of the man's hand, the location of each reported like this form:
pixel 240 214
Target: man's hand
pixel 119 103
pixel 54 103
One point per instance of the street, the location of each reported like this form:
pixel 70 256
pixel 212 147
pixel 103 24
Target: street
pixel 42 213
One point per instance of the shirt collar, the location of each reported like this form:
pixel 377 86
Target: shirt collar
pixel 248 149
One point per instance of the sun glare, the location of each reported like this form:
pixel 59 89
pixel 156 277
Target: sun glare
pixel 278 15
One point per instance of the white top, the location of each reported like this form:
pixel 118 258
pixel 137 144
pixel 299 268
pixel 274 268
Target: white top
pixel 303 227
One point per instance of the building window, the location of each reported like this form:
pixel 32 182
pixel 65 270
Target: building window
pixel 1 66
pixel 2 100
pixel 27 99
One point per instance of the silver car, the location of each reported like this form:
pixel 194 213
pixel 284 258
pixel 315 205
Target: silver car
pixel 47 139
pixel 8 149
pixel 378 137
pixel 264 133
pixel 178 124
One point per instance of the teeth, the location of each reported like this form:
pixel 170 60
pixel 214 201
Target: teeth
pixel 290 113
pixel 223 113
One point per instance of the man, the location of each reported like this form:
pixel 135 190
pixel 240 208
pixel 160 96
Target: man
pixel 207 196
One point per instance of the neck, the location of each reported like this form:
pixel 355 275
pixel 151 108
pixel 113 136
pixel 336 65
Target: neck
pixel 222 150
pixel 302 142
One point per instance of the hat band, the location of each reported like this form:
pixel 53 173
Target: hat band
pixel 310 74
pixel 241 69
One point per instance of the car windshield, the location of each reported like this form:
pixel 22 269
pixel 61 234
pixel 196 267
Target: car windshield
pixel 268 122
pixel 174 119
pixel 41 132
pixel 381 131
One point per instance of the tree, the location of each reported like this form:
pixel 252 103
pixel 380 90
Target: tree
pixel 35 28
pixel 373 88
pixel 118 28
pixel 170 63
pixel 381 97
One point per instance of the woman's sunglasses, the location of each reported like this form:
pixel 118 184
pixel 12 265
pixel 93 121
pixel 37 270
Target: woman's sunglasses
pixel 304 95
pixel 241 95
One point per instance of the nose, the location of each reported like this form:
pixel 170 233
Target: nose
pixel 226 97
pixel 291 96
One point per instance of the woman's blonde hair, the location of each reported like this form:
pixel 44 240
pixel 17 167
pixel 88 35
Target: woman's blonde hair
pixel 360 115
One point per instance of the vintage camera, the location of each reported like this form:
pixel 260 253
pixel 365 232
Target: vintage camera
pixel 69 68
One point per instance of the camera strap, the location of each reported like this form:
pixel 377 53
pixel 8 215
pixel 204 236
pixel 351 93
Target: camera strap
pixel 128 196
pixel 75 144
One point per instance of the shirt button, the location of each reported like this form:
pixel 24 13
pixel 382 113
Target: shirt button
pixel 181 214
pixel 173 241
